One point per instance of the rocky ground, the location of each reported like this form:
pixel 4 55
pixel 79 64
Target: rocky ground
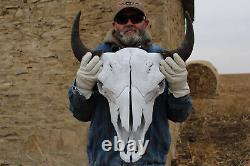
pixel 37 68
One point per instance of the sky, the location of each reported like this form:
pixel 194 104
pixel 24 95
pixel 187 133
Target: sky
pixel 222 34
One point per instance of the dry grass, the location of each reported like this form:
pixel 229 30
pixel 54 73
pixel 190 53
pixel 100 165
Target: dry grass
pixel 217 132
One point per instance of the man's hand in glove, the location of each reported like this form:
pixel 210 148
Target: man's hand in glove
pixel 86 76
pixel 175 73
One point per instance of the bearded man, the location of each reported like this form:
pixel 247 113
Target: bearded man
pixel 87 104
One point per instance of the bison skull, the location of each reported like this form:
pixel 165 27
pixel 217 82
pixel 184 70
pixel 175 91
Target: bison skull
pixel 131 80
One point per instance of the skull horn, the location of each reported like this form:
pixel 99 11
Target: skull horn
pixel 79 49
pixel 187 45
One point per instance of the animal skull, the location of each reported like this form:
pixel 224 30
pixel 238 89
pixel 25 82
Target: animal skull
pixel 131 80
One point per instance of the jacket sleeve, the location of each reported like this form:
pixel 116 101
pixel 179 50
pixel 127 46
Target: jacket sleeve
pixel 179 108
pixel 81 108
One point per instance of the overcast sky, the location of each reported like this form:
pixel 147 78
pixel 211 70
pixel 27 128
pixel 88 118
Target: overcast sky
pixel 222 34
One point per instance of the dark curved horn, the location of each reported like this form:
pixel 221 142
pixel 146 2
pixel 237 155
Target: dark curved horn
pixel 79 49
pixel 187 45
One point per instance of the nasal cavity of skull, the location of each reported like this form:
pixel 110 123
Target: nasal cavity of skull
pixel 142 122
pixel 119 122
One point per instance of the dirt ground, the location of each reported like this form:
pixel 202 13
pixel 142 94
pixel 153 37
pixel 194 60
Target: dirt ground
pixel 37 67
pixel 217 132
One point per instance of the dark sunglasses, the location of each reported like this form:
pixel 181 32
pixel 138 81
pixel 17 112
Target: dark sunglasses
pixel 135 19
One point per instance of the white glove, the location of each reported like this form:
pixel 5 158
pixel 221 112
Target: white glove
pixel 175 73
pixel 86 76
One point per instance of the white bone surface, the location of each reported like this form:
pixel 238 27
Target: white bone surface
pixel 131 73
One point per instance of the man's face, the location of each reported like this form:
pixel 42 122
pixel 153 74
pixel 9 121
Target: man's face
pixel 130 26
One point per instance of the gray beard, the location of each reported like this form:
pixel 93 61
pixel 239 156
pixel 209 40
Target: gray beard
pixel 134 40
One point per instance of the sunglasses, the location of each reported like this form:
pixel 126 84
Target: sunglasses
pixel 135 19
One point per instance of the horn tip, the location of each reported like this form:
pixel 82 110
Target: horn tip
pixel 79 13
pixel 187 15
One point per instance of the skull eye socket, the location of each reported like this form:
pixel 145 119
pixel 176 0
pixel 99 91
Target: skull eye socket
pixel 161 86
pixel 155 91
pixel 100 86
pixel 99 83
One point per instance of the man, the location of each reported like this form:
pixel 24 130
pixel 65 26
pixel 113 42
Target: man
pixel 87 104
